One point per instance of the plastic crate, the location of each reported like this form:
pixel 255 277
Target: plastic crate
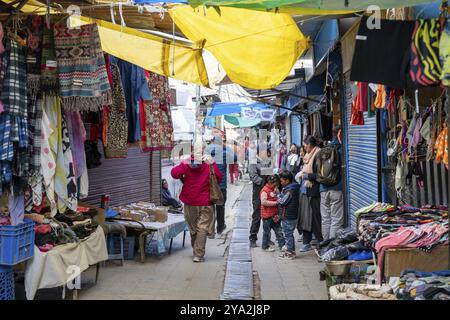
pixel 7 283
pixel 16 243
pixel 128 246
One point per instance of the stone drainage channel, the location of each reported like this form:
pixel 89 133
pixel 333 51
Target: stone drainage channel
pixel 238 283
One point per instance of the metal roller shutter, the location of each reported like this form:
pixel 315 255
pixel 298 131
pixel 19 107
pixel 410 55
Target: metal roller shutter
pixel 295 130
pixel 362 161
pixel 136 178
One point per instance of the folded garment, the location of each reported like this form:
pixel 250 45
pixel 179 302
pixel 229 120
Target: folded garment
pixel 43 229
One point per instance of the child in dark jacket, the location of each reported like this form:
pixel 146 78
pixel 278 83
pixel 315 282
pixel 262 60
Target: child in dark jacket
pixel 269 214
pixel 288 204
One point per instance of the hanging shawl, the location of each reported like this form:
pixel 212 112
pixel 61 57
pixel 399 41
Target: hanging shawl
pixel 71 200
pixel 14 163
pixel 35 178
pixel 48 157
pixel 77 137
pixel 83 79
pixel 34 54
pixel 117 124
pixel 49 70
pixel 159 127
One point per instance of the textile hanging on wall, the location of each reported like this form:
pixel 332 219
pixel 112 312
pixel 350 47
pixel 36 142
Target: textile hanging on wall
pixel 69 170
pixel 83 79
pixel 35 178
pixel 158 118
pixel 117 126
pixel 34 54
pixel 425 65
pixel 49 70
pixel 14 157
pixel 444 52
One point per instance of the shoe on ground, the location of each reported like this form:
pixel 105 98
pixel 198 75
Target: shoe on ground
pixel 271 243
pixel 269 249
pixel 253 244
pixel 306 248
pixel 198 259
pixel 284 248
pixel 287 255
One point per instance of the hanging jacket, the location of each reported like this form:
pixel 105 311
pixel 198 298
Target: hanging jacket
pixel 195 191
pixel 268 202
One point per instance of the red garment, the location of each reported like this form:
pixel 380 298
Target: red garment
pixel 106 108
pixel 269 212
pixel 142 122
pixel 363 94
pixel 195 191
pixel 234 172
pixel 357 116
pixel 43 229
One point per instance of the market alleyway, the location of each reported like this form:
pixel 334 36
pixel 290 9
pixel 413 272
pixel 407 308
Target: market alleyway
pixel 176 277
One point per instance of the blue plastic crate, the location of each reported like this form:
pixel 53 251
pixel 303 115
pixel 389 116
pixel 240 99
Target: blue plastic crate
pixel 128 246
pixel 16 243
pixel 7 283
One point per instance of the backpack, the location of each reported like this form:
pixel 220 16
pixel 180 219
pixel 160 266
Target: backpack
pixel 328 162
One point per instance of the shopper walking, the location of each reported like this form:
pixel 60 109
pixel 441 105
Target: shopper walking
pixel 257 180
pixel 221 161
pixel 234 167
pixel 331 203
pixel 269 213
pixel 289 212
pixel 195 194
pixel 309 203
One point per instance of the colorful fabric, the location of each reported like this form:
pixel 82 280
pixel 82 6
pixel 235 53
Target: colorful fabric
pixel 49 66
pixel 441 147
pixel 14 158
pixel 71 201
pixel 159 127
pixel 77 137
pixel 83 79
pixel 48 158
pixel 444 53
pixel 424 63
pixel 35 178
pixel 117 124
pixel 380 100
pixel 34 53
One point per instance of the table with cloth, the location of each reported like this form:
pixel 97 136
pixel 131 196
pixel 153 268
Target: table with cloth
pixel 161 232
pixel 53 268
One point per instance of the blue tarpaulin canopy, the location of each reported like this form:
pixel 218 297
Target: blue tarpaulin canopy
pixel 241 122
pixel 224 108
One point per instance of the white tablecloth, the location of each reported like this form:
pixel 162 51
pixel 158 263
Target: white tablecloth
pixel 164 231
pixel 49 269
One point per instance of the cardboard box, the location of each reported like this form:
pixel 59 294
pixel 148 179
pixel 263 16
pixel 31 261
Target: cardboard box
pixel 397 260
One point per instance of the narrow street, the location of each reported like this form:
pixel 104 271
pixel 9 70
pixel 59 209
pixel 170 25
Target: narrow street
pixel 175 276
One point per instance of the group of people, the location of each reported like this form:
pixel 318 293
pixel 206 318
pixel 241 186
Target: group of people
pixel 298 197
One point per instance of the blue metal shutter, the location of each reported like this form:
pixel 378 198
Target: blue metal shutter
pixel 362 165
pixel 295 130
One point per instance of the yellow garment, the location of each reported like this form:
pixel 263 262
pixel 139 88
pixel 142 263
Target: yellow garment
pixel 256 49
pixel 380 100
pixel 441 147
pixel 151 52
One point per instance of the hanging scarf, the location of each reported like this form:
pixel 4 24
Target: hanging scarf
pixel 35 178
pixel 83 79
pixel 49 70
pixel 14 158
pixel 34 54
pixel 77 137
pixel 424 62
pixel 441 147
pixel 71 201
pixel 159 127
pixel 308 167
pixel 117 125
pixel 48 157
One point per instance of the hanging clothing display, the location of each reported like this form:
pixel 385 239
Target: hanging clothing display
pixel 83 80
pixel 159 127
pixel 357 105
pixel 424 63
pixel 34 54
pixel 135 87
pixel 14 157
pixel 49 68
pixel 117 126
pixel 441 147
pixel 380 100
pixel 382 54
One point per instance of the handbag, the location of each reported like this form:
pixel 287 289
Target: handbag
pixel 215 194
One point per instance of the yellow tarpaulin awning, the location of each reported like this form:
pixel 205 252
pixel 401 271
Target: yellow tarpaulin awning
pixel 151 52
pixel 256 49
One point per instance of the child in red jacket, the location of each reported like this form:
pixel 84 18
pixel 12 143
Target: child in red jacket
pixel 269 214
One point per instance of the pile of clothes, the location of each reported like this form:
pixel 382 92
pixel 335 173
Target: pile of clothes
pixel 356 291
pixel 68 227
pixel 383 226
pixel 416 285
pixel 346 245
